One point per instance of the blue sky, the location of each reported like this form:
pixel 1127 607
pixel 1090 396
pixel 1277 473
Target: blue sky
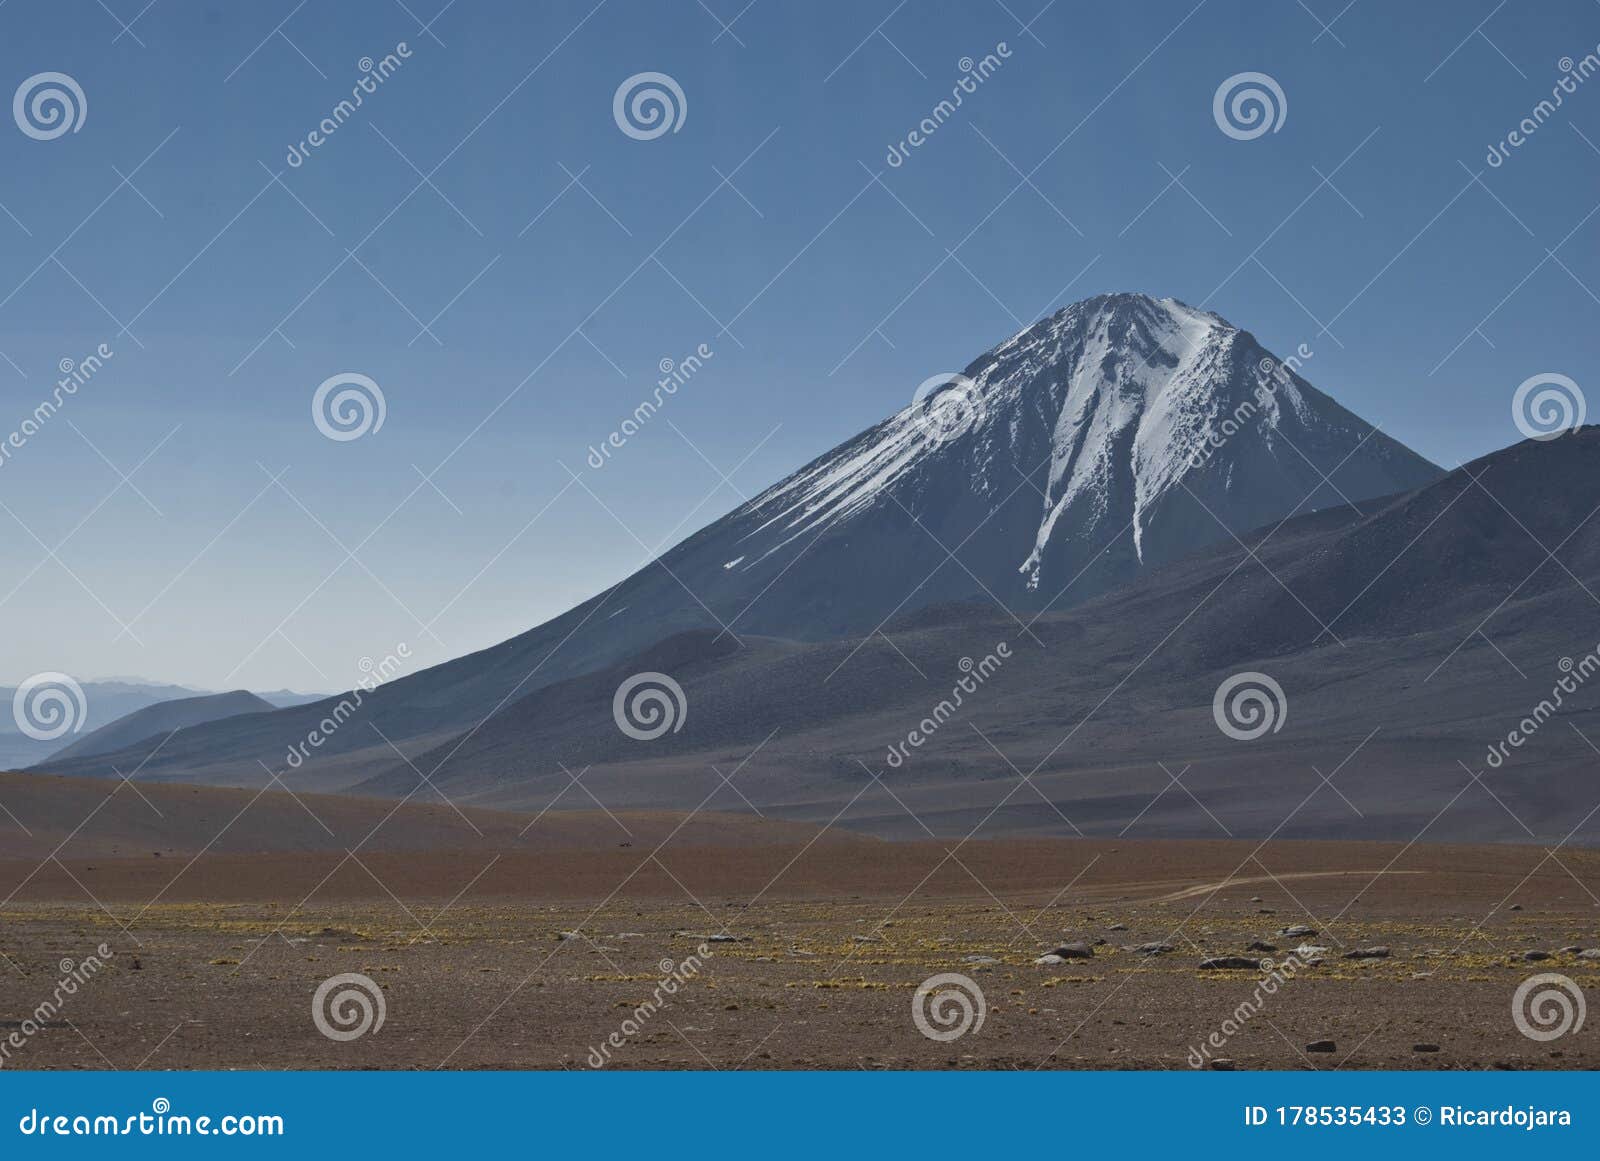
pixel 514 307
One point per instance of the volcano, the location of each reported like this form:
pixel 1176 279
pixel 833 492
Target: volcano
pixel 1116 436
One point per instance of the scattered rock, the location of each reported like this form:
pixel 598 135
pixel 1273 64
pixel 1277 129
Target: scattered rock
pixel 1309 951
pixel 1259 945
pixel 1516 907
pixel 1572 951
pixel 1591 953
pixel 1255 898
pixel 1298 931
pixel 563 936
pixel 1367 953
pixel 1153 949
pixel 1535 956
pixel 1230 963
pixel 1078 950
pixel 1424 1048
pixel 1321 1046
pixel 1222 1064
pixel 867 938
pixel 720 937
pixel 1118 927
pixel 979 959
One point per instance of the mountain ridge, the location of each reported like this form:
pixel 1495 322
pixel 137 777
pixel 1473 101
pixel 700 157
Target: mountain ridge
pixel 1407 638
pixel 143 728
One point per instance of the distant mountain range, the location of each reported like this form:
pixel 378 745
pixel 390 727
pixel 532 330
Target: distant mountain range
pixel 152 723
pixel 1137 502
pixel 106 702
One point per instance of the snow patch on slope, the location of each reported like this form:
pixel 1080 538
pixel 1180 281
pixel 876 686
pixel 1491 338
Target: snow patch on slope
pixel 1142 382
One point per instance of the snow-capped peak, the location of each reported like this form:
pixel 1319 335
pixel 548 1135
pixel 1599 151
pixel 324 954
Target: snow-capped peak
pixel 1102 417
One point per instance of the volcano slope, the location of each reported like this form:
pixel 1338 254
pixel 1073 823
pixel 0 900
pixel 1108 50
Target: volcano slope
pixel 1408 637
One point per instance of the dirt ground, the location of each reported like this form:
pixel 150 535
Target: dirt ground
pixel 216 964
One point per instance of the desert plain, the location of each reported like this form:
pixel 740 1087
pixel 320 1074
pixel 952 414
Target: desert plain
pixel 531 941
